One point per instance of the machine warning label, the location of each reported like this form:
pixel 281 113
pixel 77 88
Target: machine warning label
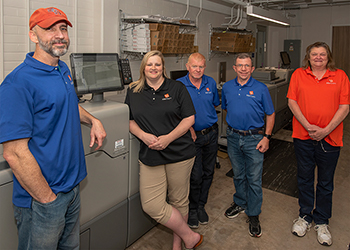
pixel 119 144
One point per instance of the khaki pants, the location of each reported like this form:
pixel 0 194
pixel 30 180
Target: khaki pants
pixel 156 182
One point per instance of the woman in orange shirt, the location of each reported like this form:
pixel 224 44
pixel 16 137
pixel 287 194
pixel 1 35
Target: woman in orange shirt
pixel 318 96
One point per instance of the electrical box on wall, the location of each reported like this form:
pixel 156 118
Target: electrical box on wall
pixel 293 48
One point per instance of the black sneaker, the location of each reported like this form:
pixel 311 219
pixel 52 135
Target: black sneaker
pixel 254 226
pixel 193 219
pixel 203 217
pixel 233 211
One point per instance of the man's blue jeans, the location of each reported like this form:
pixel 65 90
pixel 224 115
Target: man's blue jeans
pixel 53 225
pixel 203 168
pixel 309 154
pixel 247 165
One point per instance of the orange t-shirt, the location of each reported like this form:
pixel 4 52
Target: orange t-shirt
pixel 319 100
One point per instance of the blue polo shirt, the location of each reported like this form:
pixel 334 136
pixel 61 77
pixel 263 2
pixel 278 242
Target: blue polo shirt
pixel 204 100
pixel 246 105
pixel 38 101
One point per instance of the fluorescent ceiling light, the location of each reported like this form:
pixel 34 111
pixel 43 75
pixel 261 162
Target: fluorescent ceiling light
pixel 267 15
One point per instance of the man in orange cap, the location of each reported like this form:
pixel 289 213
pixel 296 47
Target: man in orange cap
pixel 41 136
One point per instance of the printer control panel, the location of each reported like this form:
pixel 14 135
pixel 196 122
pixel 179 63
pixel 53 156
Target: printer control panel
pixel 126 71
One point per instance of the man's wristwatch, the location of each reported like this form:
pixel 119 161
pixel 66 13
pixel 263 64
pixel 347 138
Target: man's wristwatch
pixel 267 136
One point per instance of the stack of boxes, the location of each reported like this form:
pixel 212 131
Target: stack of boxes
pixel 167 39
pixel 232 42
pixel 157 36
pixel 136 39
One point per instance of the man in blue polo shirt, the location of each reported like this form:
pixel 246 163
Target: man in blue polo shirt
pixel 247 101
pixel 41 136
pixel 204 133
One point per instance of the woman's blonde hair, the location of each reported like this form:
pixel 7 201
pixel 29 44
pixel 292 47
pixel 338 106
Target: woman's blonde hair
pixel 140 83
pixel 330 64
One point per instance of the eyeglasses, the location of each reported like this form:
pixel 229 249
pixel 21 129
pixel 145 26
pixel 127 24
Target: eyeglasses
pixel 243 65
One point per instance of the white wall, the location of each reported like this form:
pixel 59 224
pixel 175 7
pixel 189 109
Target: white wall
pixel 309 25
pixel 14 40
pixel 96 29
pixel 96 24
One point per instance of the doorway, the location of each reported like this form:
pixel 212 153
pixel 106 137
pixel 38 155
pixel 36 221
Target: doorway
pixel 261 55
pixel 341 48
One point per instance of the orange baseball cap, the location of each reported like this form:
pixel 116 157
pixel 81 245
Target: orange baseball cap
pixel 46 17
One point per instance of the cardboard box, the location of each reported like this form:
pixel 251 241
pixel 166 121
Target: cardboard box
pixel 157 34
pixel 185 21
pixel 171 43
pixel 157 42
pixel 170 27
pixel 222 38
pixel 169 50
pixel 155 26
pixel 155 47
pixel 227 48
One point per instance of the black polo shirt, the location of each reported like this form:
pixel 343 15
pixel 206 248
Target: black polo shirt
pixel 159 112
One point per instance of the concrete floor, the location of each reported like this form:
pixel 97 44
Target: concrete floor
pixel 278 213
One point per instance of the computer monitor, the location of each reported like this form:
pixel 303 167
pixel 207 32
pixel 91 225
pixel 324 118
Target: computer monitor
pixel 285 59
pixel 176 74
pixel 96 73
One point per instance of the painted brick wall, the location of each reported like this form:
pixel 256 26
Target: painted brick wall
pixel 16 43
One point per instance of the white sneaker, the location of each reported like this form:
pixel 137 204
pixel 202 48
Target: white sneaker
pixel 324 237
pixel 300 227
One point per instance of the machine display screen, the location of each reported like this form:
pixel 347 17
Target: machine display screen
pixel 285 58
pixel 96 72
pixel 177 74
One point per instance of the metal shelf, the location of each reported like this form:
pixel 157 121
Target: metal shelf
pixel 130 22
pixel 212 53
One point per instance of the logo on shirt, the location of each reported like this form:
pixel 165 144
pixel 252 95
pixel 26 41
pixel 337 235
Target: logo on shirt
pixel 70 78
pixel 207 91
pixel 251 94
pixel 166 97
pixel 330 81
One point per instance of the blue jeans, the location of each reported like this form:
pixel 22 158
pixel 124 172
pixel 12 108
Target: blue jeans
pixel 53 225
pixel 247 165
pixel 203 168
pixel 310 153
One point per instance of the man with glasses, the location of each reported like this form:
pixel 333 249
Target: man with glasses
pixel 246 101
pixel 204 133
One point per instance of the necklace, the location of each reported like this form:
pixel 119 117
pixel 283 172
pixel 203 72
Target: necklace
pixel 319 75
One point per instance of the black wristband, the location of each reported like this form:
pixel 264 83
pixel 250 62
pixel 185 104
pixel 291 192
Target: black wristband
pixel 267 136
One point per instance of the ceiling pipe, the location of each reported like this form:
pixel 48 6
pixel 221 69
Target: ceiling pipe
pixel 188 7
pixel 240 17
pixel 231 16
pixel 199 12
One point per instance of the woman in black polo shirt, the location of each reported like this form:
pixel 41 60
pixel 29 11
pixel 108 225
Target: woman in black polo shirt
pixel 161 113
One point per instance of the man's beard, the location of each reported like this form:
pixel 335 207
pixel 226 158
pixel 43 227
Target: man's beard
pixel 48 47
